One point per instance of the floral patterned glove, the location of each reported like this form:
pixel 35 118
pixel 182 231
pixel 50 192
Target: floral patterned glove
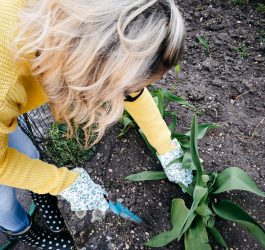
pixel 174 171
pixel 84 194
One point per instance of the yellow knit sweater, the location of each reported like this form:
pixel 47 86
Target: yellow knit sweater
pixel 20 92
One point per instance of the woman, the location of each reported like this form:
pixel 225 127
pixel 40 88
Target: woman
pixel 83 57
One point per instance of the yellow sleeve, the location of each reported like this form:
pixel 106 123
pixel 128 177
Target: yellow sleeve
pixel 18 170
pixel 146 114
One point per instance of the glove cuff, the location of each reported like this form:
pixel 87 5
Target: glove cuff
pixel 168 157
pixel 174 171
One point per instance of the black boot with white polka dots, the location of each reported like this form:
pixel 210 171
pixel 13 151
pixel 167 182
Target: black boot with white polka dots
pixel 47 204
pixel 37 238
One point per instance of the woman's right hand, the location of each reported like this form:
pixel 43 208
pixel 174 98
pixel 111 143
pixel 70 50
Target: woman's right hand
pixel 84 194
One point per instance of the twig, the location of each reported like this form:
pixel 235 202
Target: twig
pixel 239 96
pixel 253 133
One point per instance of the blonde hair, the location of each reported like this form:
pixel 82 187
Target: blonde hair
pixel 89 53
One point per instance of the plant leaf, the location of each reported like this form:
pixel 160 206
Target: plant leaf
pixel 217 236
pixel 196 237
pixel 127 124
pixel 171 97
pixel 178 68
pixel 194 151
pixel 173 124
pixel 235 178
pixel 198 195
pixel 161 103
pixel 202 129
pixel 204 43
pixel 228 210
pixel 147 176
pixel 187 161
pixel 178 214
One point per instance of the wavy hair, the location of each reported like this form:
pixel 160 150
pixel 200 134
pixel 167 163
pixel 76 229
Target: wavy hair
pixel 90 53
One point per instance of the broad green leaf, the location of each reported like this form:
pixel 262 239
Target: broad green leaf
pixel 228 210
pixel 184 144
pixel 147 176
pixel 198 196
pixel 180 136
pixel 217 236
pixel 183 139
pixel 204 43
pixel 194 151
pixel 235 178
pixel 171 97
pixel 178 214
pixel 202 129
pixel 196 238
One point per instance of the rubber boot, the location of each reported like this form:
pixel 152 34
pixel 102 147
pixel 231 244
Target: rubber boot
pixel 47 204
pixel 38 238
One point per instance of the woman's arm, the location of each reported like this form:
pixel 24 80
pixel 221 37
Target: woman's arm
pixel 144 111
pixel 146 114
pixel 18 170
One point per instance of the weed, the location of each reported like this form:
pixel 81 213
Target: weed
pixel 243 50
pixel 261 8
pixel 204 43
pixel 67 151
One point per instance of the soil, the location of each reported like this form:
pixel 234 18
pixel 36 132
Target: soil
pixel 228 90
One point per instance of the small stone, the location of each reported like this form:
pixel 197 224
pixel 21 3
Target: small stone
pixel 127 246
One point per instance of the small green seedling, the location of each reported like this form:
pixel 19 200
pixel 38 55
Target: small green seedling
pixel 261 8
pixel 204 44
pixel 242 50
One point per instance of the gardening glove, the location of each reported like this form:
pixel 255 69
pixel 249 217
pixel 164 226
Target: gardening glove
pixel 84 194
pixel 174 171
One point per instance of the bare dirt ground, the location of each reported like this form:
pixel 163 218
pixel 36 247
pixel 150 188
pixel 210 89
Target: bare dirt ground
pixel 229 90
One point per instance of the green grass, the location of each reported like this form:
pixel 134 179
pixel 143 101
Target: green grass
pixel 261 8
pixel 243 50
pixel 204 43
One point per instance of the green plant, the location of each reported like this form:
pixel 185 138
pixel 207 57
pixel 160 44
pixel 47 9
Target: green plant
pixel 67 151
pixel 196 222
pixel 204 43
pixel 242 50
pixel 260 7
